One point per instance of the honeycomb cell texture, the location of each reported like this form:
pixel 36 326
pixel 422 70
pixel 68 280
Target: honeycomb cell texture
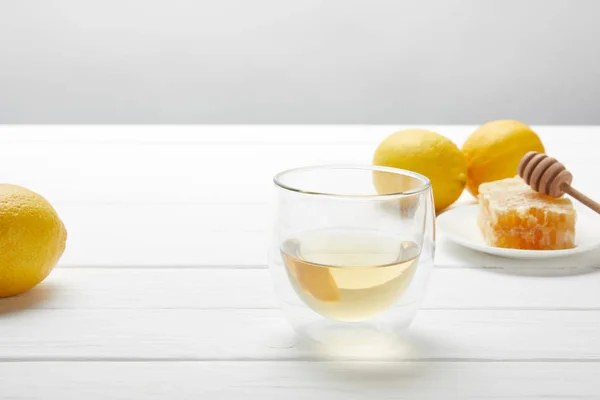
pixel 512 215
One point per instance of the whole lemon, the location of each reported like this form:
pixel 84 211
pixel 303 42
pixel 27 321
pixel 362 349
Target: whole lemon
pixel 429 154
pixel 494 150
pixel 32 239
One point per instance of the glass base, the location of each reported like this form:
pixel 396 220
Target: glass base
pixel 379 338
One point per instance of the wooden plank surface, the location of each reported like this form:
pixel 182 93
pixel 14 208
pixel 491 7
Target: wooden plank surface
pixel 188 334
pixel 299 380
pixel 193 234
pixel 226 288
pixel 212 169
pixel 149 301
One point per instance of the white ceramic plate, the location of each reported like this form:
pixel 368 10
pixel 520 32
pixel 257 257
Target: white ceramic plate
pixel 460 226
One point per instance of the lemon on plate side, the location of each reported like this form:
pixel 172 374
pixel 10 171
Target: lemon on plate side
pixel 32 239
pixel 429 154
pixel 494 150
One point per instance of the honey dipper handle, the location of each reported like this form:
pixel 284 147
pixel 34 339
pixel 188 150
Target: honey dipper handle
pixel 581 197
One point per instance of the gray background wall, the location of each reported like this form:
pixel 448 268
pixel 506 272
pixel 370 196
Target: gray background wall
pixel 299 61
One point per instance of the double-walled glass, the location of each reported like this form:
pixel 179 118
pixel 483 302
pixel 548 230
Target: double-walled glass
pixel 352 249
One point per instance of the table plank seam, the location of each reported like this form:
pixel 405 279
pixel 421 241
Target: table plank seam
pixel 307 358
pixel 274 307
pixel 265 267
pixel 167 267
pixel 183 142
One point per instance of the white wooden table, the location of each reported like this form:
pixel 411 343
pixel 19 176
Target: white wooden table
pixel 163 292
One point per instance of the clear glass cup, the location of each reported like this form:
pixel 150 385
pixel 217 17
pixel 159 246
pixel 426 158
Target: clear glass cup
pixel 352 250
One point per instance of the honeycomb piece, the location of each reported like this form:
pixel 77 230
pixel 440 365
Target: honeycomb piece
pixel 512 215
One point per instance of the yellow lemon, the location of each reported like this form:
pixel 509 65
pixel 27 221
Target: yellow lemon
pixel 32 239
pixel 494 150
pixel 429 154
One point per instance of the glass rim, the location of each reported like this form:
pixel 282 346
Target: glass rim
pixel 277 180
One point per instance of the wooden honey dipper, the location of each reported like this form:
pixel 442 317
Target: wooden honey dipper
pixel 548 176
